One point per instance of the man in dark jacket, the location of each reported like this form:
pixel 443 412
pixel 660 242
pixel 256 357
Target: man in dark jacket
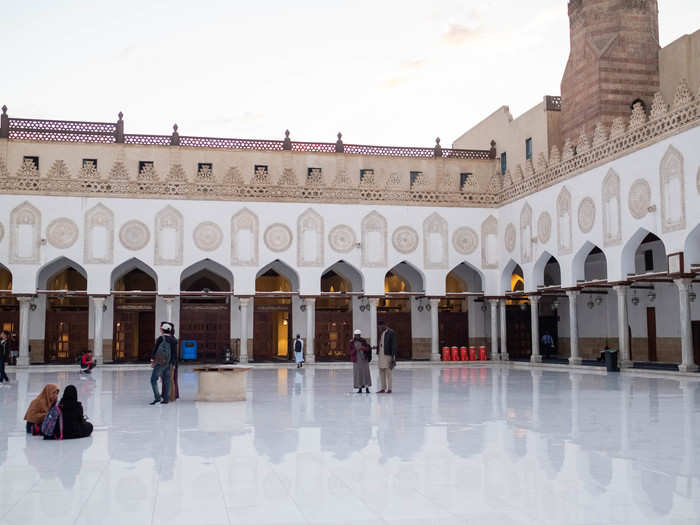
pixel 4 354
pixel 386 351
pixel 162 369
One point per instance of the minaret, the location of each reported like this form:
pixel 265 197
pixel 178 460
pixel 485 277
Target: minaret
pixel 613 62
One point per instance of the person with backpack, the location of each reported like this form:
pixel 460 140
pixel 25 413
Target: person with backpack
pixel 5 354
pixel 39 408
pixel 299 351
pixel 165 346
pixel 74 423
pixel 174 387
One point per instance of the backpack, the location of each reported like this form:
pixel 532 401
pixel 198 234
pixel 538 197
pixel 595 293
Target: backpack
pixel 162 356
pixel 48 427
pixel 297 346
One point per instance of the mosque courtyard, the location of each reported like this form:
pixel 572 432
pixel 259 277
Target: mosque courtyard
pixel 490 444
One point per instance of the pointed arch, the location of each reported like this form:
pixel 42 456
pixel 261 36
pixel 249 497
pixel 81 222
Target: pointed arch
pixel 435 242
pixel 25 234
pixel 99 235
pixel 469 275
pixel 168 232
pixel 374 240
pixel 610 193
pixel 411 275
pixel 52 268
pixel 130 265
pixel 629 261
pixel 489 242
pixel 5 278
pixel 209 269
pixel 672 183
pixel 511 268
pixel 310 239
pixel 348 272
pixel 282 269
pixel 547 271
pixel 564 242
pixel 692 248
pixel 526 234
pixel 589 264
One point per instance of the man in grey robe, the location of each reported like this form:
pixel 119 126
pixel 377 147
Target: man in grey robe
pixel 360 355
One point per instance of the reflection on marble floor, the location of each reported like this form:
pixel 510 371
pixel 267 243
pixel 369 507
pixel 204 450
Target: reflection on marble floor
pixel 477 445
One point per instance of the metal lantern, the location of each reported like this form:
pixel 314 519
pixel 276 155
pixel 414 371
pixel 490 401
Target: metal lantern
pixel 590 305
pixel 651 296
pixel 598 300
pixel 691 294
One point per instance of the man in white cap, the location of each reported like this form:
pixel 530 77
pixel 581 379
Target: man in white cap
pixel 360 355
pixel 164 352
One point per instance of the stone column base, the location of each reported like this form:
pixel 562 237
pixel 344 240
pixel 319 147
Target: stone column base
pixel 575 360
pixel 505 357
pixel 626 364
pixel 435 357
pixel 536 358
pixel 495 357
pixel 687 368
pixel 22 362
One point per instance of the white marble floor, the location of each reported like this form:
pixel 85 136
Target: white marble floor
pixel 450 445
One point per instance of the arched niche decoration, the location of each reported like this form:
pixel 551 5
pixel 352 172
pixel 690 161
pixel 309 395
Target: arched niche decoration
pixel 25 234
pixel 374 241
pixel 435 242
pixel 564 222
pixel 489 243
pixel 99 235
pixel 310 239
pixel 672 191
pixel 612 229
pixel 244 238
pixel 526 233
pixel 169 229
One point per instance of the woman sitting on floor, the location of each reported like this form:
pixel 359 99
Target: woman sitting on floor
pixel 74 423
pixel 39 407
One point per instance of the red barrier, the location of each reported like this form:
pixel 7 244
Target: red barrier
pixel 455 353
pixel 445 353
pixel 472 353
pixel 463 354
pixel 482 353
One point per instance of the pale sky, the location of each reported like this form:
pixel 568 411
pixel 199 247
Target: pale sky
pixel 391 72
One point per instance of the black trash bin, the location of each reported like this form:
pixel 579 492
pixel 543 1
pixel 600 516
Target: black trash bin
pixel 611 361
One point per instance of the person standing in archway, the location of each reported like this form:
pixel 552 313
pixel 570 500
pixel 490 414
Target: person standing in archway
pixel 387 356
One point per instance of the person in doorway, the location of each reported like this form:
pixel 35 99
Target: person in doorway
pixel 75 425
pixel 386 351
pixel 4 354
pixel 39 407
pixel 174 386
pixel 360 355
pixel 165 346
pixel 547 344
pixel 87 362
pixel 299 351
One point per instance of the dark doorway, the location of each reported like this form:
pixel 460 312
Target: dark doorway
pixel 66 330
pixel 518 333
pixel 207 322
pixel 134 331
pixel 549 325
pixel 272 329
pixel 695 328
pixel 333 332
pixel 453 328
pixel 400 323
pixel 651 334
pixel 9 320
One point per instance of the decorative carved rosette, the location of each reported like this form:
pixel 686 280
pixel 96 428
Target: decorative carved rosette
pixel 639 198
pixel 586 215
pixel 207 236
pixel 278 237
pixel 465 240
pixel 544 227
pixel 342 238
pixel 62 233
pixel 134 235
pixel 405 239
pixel 509 237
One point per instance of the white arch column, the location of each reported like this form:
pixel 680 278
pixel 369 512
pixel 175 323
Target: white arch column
pixel 243 348
pixel 535 329
pixel 435 330
pixel 494 329
pixel 575 358
pixel 23 358
pixel 98 303
pixel 504 343
pixel 687 362
pixel 310 329
pixel 373 301
pixel 622 324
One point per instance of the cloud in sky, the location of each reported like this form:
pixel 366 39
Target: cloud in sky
pixel 457 34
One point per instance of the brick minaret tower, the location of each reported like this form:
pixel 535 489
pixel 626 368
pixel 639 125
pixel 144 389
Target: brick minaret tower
pixel 613 61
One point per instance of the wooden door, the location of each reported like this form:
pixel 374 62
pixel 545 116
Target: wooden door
pixel 453 329
pixel 518 333
pixel 400 322
pixel 125 335
pixel 695 329
pixel 66 335
pixel 209 325
pixel 9 320
pixel 263 344
pixel 147 335
pixel 549 325
pixel 651 334
pixel 333 332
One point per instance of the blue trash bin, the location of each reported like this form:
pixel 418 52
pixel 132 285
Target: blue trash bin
pixel 189 349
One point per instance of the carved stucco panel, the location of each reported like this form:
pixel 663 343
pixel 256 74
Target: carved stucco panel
pixel 639 198
pixel 404 239
pixel 342 238
pixel 99 235
pixel 509 237
pixel 62 233
pixel 564 233
pixel 435 247
pixel 169 232
pixel 672 191
pixel 544 227
pixel 612 228
pixel 25 234
pixel 207 236
pixel 526 234
pixel 586 215
pixel 374 240
pixel 465 240
pixel 244 238
pixel 489 243
pixel 310 239
pixel 278 237
pixel 134 235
